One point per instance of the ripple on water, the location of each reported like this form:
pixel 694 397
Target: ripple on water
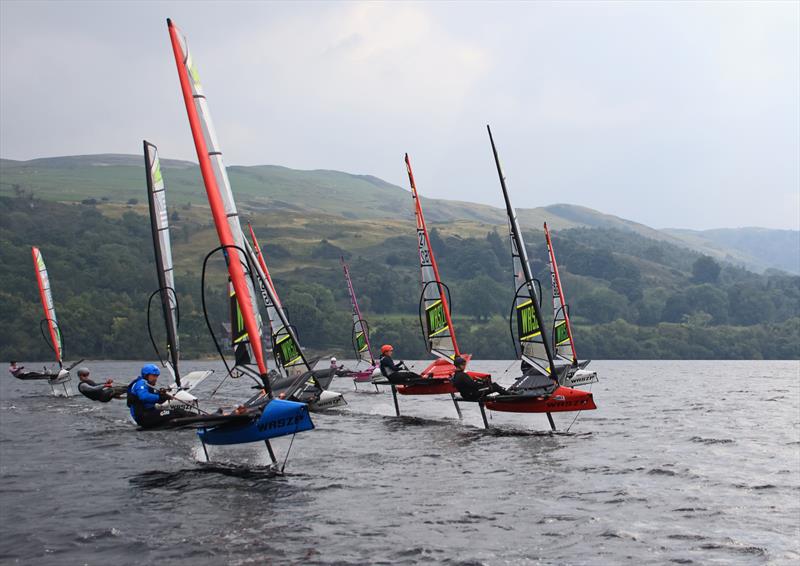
pixel 702 440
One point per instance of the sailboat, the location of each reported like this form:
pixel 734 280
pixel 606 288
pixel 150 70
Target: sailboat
pixel 538 389
pixel 563 342
pixel 435 320
pixel 261 417
pixel 295 379
pixel 361 344
pixel 57 379
pixel 159 222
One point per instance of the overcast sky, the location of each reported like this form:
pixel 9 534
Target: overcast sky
pixel 671 114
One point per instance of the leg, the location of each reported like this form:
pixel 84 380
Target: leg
pixel 458 409
pixel 205 450
pixel 271 453
pixel 552 424
pixel 483 414
pixel 396 406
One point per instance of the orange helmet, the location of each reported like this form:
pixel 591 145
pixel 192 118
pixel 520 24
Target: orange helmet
pixel 386 348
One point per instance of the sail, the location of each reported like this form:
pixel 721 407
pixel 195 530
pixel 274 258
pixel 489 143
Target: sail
pixel 361 343
pixel 534 347
pixel 440 336
pixel 220 197
pixel 285 345
pixel 159 222
pixel 47 304
pixel 563 345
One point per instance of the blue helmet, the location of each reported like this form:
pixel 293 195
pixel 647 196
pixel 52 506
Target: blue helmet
pixel 150 369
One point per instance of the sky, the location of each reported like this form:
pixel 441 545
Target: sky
pixel 672 114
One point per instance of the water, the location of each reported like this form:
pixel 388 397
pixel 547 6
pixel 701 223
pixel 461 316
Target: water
pixel 684 462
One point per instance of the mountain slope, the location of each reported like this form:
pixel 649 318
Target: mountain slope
pixel 115 178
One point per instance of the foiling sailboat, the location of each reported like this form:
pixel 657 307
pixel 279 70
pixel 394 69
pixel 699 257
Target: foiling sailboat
pixel 59 379
pixel 262 416
pixel 435 320
pixel 538 389
pixel 294 378
pixel 563 342
pixel 361 343
pixel 159 222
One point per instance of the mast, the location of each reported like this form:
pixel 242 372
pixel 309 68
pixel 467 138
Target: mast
pixel 287 350
pixel 263 264
pixel 159 223
pixel 220 198
pixel 560 314
pixel 359 327
pixel 441 337
pixel 47 303
pixel 532 340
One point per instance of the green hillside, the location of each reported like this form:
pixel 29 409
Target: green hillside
pixel 109 179
pixel 630 296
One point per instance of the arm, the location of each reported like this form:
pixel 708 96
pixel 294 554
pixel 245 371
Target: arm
pixel 143 392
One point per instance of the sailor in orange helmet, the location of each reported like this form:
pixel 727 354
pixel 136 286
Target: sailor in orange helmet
pixel 396 373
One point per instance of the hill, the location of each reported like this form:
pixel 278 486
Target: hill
pixel 112 178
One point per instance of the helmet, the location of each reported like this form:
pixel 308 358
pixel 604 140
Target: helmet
pixel 386 348
pixel 459 360
pixel 83 371
pixel 150 369
pixel 333 359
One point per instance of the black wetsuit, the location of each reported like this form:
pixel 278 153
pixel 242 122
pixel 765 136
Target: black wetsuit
pixel 396 373
pixel 474 389
pixel 95 391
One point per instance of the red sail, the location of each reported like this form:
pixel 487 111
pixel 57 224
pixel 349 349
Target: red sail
pixel 47 301
pixel 441 338
pixel 201 129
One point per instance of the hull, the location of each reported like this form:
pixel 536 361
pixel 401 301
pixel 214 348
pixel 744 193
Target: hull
pixel 364 376
pixel 581 377
pixel 563 399
pixel 327 400
pixel 438 373
pixel 279 418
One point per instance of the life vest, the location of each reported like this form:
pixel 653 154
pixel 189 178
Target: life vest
pixel 133 401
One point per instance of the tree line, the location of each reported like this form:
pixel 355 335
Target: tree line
pixel 630 296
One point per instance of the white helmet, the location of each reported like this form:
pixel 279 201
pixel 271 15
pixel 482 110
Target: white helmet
pixel 333 360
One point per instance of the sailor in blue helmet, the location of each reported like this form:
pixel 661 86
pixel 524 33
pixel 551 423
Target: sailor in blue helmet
pixel 143 397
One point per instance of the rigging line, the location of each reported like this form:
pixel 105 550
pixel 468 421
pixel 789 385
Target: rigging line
pixel 578 413
pixel 205 313
pixel 288 450
pixel 49 341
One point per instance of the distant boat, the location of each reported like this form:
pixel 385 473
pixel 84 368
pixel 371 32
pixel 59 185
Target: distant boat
pixel 537 390
pixel 361 343
pixel 563 342
pixel 159 222
pixel 261 417
pixel 57 379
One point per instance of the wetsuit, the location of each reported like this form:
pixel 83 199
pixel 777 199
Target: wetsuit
pixel 95 391
pixel 396 373
pixel 474 389
pixel 142 399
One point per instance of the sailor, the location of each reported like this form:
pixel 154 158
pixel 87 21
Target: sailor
pixel 14 369
pixel 471 388
pixel 143 397
pixel 396 373
pixel 102 392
